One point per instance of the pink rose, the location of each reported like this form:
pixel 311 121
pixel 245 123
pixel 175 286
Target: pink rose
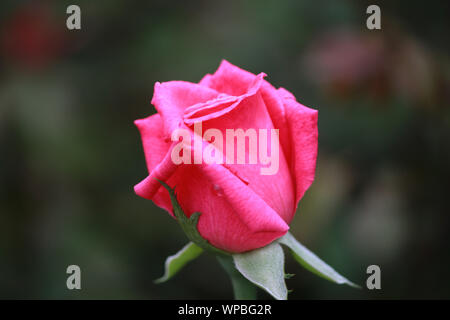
pixel 241 208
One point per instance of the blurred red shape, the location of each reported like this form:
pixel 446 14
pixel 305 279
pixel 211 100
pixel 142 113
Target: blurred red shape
pixel 32 37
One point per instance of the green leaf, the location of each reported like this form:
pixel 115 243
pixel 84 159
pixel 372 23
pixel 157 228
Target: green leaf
pixel 265 268
pixel 189 225
pixel 312 262
pixel 176 262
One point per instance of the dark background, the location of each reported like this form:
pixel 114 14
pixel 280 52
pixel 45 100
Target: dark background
pixel 70 154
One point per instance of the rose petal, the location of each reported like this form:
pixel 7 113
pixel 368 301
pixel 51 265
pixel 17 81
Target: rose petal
pixel 276 190
pixel 222 105
pixel 155 150
pixel 302 123
pixel 173 97
pixel 237 220
pixel 155 146
pixel 275 108
pixel 229 79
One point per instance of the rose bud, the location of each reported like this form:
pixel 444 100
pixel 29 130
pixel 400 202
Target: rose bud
pixel 248 196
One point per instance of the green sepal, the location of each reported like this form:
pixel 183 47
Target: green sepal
pixel 189 225
pixel 312 262
pixel 264 267
pixel 177 261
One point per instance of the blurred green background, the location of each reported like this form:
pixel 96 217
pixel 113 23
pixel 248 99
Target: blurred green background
pixel 70 154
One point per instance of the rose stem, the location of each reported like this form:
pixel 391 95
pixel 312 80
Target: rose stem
pixel 243 289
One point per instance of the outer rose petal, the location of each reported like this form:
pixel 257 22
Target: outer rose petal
pixel 155 146
pixel 302 123
pixel 155 150
pixel 236 220
pixel 233 217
